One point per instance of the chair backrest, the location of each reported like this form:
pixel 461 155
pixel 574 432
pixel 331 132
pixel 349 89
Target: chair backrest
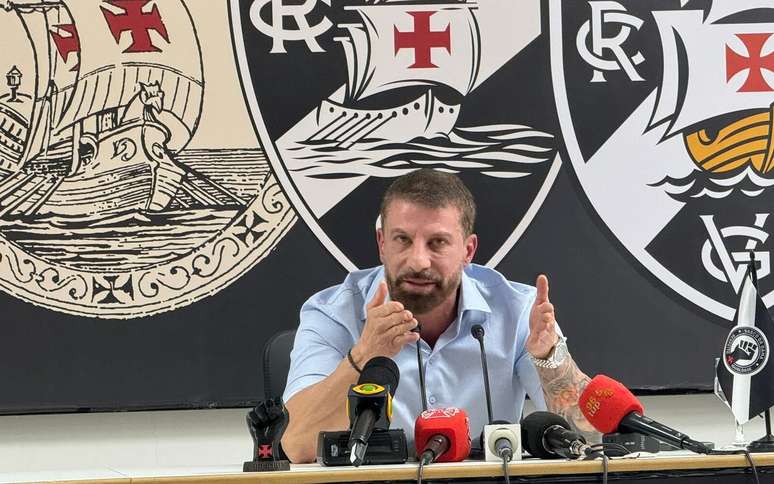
pixel 276 363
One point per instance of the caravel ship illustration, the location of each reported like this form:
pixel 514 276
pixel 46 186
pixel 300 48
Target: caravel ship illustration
pixel 118 91
pixel 379 59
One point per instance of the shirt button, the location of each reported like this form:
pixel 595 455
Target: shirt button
pixel 431 400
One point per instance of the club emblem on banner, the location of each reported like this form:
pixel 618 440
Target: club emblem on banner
pixel 666 110
pixel 347 96
pixel 105 208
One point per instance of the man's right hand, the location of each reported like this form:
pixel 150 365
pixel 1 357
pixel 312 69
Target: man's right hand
pixel 387 329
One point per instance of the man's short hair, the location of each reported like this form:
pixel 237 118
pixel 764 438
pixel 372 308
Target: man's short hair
pixel 433 189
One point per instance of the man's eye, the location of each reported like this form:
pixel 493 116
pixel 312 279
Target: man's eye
pixel 402 239
pixel 439 243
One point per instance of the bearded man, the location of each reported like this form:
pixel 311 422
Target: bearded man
pixel 426 245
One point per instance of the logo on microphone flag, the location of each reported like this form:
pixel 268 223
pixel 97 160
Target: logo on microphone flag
pixel 744 374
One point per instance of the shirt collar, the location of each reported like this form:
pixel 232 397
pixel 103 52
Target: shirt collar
pixel 471 298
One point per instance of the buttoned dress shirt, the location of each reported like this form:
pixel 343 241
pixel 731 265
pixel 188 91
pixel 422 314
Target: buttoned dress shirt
pixel 333 319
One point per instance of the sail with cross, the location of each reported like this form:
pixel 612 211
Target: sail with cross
pixel 731 64
pixel 119 88
pixel 401 45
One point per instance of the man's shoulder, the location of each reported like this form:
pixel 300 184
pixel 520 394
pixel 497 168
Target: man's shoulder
pixel 350 294
pixel 491 282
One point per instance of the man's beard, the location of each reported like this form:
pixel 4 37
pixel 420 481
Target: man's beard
pixel 422 303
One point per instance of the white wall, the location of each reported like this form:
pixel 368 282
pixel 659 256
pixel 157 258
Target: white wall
pixel 213 438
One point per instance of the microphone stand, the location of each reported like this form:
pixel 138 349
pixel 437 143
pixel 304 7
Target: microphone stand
pixel 421 369
pixel 765 443
pixel 477 331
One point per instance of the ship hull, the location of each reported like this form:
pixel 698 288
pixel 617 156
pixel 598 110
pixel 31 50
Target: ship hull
pixel 425 117
pixel 748 141
pixel 130 170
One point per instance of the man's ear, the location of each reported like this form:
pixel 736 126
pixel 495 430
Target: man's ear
pixel 471 244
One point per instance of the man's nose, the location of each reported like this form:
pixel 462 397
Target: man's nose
pixel 419 258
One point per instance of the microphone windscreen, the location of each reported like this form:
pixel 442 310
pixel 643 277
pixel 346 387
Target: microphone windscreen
pixel 452 423
pixel 533 429
pixel 605 402
pixel 382 371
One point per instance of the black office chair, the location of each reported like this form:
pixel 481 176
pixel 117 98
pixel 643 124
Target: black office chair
pixel 276 363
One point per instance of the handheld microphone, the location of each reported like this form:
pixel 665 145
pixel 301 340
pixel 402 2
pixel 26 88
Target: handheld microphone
pixel 442 435
pixel 369 404
pixel 477 331
pixel 609 407
pixel 546 435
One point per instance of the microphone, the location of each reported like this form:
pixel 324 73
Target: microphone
pixel 546 435
pixel 369 404
pixel 609 407
pixel 477 331
pixel 502 442
pixel 442 435
pixel 500 439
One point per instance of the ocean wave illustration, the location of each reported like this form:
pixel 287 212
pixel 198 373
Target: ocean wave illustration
pixel 700 184
pixel 504 151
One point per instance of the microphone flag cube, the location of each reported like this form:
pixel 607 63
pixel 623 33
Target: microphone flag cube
pixel 452 423
pixel 605 402
pixel 373 396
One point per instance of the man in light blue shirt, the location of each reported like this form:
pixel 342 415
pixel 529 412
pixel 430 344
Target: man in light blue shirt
pixel 426 244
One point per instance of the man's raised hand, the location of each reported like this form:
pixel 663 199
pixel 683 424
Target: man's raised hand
pixel 542 322
pixel 387 328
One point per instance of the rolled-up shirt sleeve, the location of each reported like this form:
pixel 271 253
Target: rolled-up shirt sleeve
pixel 320 345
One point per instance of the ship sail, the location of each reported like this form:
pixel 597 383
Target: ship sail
pixel 718 68
pixel 382 53
pixel 54 79
pixel 120 49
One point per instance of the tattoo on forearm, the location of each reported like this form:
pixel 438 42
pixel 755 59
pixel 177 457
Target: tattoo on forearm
pixel 562 387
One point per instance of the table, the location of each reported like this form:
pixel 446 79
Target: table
pixel 663 468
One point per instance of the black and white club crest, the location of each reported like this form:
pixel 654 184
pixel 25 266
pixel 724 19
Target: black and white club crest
pixel 347 96
pixel 665 109
pixel 746 351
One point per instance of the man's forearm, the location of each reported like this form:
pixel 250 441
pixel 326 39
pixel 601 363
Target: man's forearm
pixel 562 387
pixel 322 406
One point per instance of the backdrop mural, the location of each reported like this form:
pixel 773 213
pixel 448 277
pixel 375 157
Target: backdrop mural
pixel 177 176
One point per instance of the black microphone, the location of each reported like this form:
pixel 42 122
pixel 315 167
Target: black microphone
pixel 477 331
pixel 546 435
pixel 370 404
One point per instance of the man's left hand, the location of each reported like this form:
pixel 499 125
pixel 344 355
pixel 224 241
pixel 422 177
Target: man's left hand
pixel 542 322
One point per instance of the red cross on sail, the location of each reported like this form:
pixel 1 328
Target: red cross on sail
pixel 422 40
pixel 754 62
pixel 137 23
pixel 400 45
pixel 66 40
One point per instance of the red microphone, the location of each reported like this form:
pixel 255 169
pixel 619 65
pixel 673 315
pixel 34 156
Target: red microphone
pixel 605 402
pixel 442 435
pixel 610 407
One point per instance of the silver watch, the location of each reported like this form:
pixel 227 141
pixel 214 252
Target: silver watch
pixel 556 356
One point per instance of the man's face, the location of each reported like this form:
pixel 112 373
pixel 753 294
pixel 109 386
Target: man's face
pixel 423 251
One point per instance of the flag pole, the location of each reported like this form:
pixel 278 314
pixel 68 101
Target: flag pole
pixel 765 443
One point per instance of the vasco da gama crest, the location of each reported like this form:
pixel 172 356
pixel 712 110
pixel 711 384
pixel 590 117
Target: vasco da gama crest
pixel 666 112
pixel 346 96
pixel 103 210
